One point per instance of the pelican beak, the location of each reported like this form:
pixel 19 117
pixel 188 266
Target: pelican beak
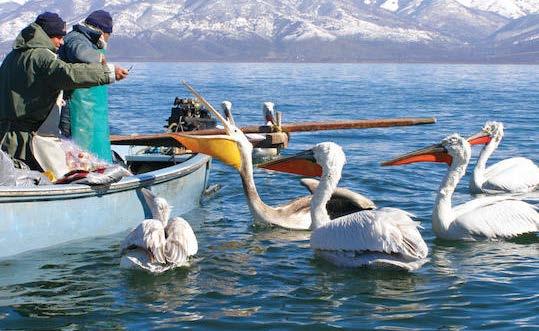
pixel 303 164
pixel 479 138
pixel 148 195
pixel 150 198
pixel 222 147
pixel 434 153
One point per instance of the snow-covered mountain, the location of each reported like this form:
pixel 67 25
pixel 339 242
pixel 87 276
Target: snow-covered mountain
pixel 301 30
pixel 507 8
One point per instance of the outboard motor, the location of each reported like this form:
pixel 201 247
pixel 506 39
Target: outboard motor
pixel 189 115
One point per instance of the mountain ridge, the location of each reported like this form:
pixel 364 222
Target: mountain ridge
pixel 303 30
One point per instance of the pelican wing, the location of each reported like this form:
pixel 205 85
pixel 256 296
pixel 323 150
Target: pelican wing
pixel 343 201
pixel 181 241
pixel 294 215
pixel 516 174
pixel 387 230
pixel 496 217
pixel 148 235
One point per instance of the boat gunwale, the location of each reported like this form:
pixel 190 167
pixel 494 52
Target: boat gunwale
pixel 67 191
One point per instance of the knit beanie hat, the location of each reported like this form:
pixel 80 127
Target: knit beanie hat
pixel 100 19
pixel 52 24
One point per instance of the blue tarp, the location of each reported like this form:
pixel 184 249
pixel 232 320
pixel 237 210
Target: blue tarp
pixel 90 120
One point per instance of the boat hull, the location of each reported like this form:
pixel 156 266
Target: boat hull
pixel 33 218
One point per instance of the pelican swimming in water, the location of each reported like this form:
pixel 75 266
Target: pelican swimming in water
pixel 383 238
pixel 159 244
pixel 235 150
pixel 492 217
pixel 513 175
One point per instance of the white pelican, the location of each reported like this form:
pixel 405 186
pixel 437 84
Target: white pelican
pixel 269 113
pixel 386 238
pixel 159 244
pixel 235 150
pixel 513 175
pixel 490 217
pixel 252 137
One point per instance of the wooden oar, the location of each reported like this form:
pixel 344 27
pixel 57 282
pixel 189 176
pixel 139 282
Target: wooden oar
pixel 169 139
pixel 334 125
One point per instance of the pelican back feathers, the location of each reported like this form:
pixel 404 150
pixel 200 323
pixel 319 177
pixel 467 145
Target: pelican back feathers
pixel 387 230
pixel 179 232
pixel 148 235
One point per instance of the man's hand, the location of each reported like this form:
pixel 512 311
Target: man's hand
pixel 120 73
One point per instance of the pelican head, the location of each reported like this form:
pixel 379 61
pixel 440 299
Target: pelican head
pixel 269 112
pixel 226 105
pixel 158 206
pixel 490 131
pixel 227 109
pixel 329 156
pixel 453 147
pixel 324 158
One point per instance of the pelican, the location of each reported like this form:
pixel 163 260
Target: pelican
pixel 491 217
pixel 513 175
pixel 234 149
pixel 270 120
pixel 383 238
pixel 159 244
pixel 227 109
pixel 269 113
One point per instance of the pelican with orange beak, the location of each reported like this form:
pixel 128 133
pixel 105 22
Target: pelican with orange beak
pixel 234 149
pixel 513 175
pixel 381 238
pixel 493 217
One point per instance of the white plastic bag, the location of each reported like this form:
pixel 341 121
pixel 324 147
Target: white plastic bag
pixel 65 162
pixel 8 174
pixel 11 176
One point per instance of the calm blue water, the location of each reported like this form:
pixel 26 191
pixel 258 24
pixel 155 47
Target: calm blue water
pixel 246 278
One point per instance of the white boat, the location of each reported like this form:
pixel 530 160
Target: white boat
pixel 42 216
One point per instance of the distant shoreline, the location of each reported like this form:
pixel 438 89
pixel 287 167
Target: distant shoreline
pixel 119 59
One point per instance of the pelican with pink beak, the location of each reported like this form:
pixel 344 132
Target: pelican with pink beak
pixel 381 238
pixel 513 175
pixel 491 217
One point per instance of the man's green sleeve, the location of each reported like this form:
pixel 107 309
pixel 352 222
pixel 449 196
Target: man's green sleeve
pixel 67 76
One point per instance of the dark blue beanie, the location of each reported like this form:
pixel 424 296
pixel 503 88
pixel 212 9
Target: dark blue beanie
pixel 52 24
pixel 100 19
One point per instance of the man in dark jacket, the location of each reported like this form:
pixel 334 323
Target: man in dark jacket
pixel 86 43
pixel 31 78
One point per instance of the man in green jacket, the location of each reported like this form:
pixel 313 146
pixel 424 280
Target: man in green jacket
pixel 31 78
